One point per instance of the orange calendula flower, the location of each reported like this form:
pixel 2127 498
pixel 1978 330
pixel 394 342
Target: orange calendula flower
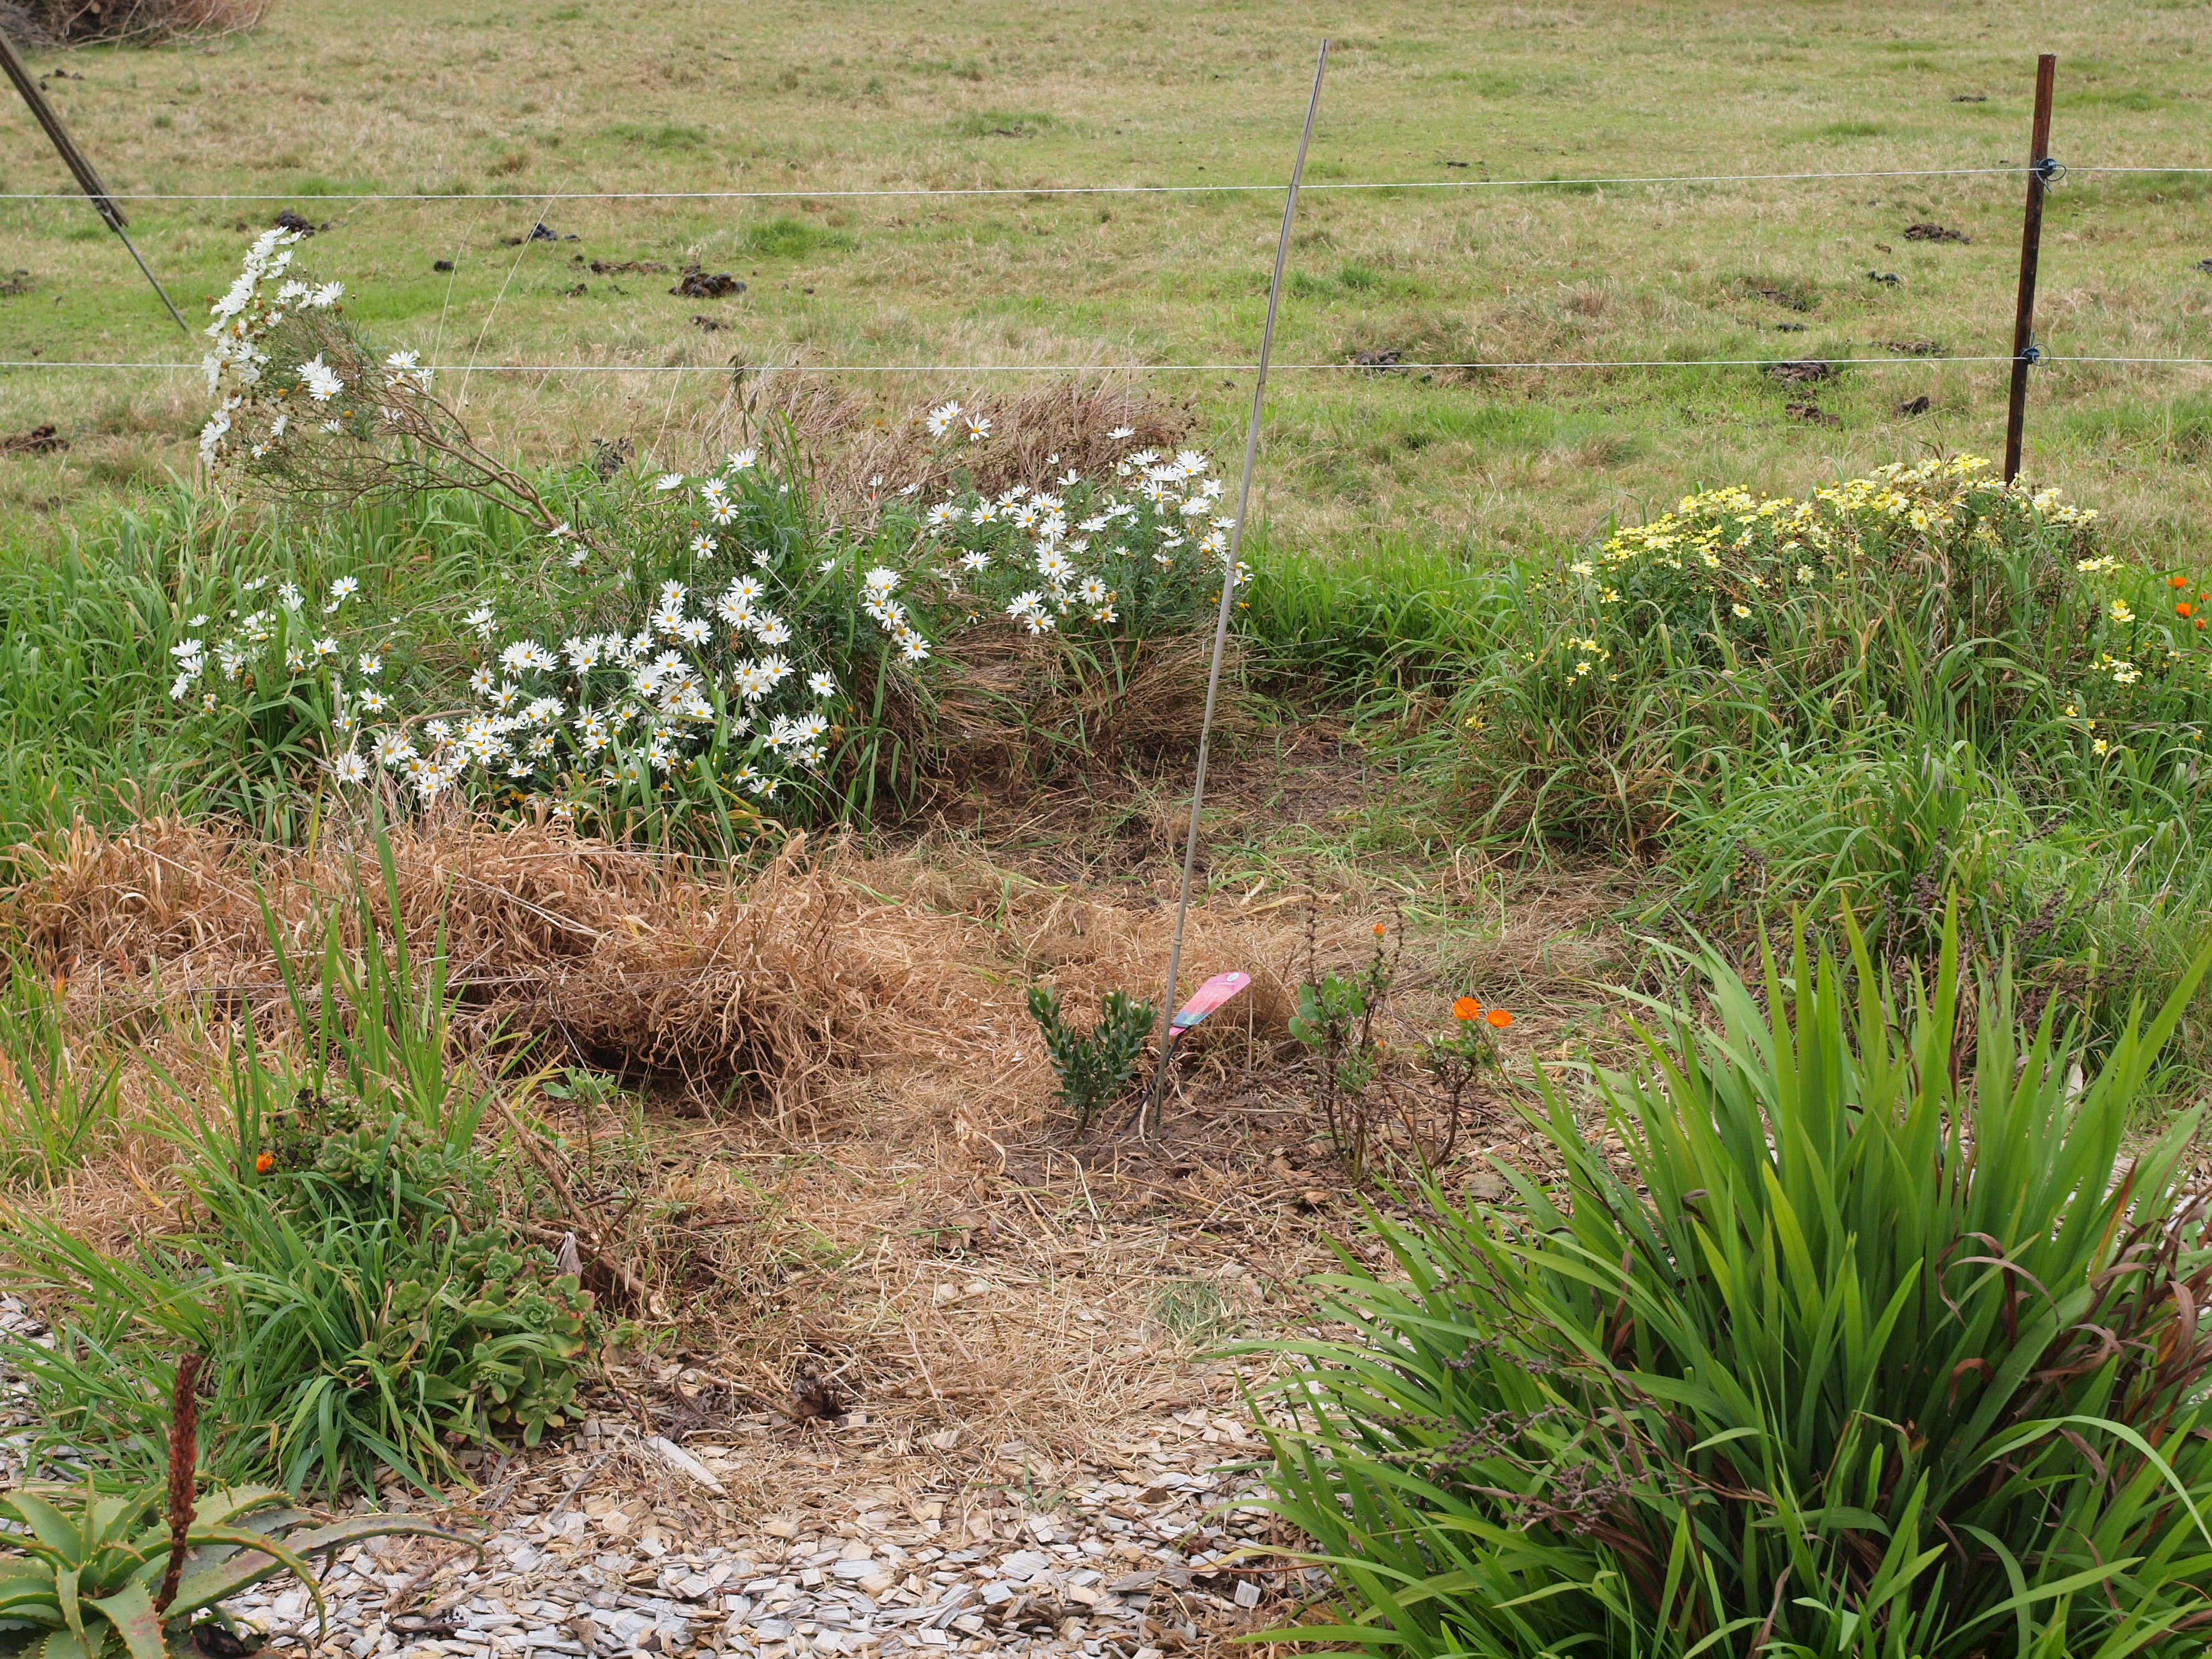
pixel 1499 1017
pixel 264 1163
pixel 1467 1008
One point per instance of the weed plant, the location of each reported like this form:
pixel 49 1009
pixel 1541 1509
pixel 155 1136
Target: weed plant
pixel 1873 1342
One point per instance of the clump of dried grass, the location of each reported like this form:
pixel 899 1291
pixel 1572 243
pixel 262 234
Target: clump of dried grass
pixel 767 984
pixel 1022 707
pixel 747 979
pixel 861 448
pixel 136 23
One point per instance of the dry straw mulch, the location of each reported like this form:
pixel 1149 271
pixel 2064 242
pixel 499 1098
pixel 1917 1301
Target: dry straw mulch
pixel 765 984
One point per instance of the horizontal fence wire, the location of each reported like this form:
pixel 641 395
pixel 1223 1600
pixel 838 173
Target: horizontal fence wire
pixel 2044 359
pixel 520 198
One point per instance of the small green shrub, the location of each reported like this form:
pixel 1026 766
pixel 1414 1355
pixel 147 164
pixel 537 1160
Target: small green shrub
pixel 1335 1023
pixel 1919 680
pixel 1874 1343
pixel 1092 1065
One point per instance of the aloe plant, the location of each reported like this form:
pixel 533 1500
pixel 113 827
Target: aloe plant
pixel 86 1578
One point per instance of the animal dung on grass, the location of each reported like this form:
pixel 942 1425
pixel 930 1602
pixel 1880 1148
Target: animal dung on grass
pixel 1931 232
pixel 1811 413
pixel 697 284
pixel 1919 405
pixel 42 440
pixel 1914 348
pixel 1886 279
pixel 1803 372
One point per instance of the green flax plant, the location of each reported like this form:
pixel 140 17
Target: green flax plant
pixel 1874 1340
pixel 352 1267
pixel 56 1097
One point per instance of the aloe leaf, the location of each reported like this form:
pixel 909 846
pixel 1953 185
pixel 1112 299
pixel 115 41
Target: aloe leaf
pixel 130 1610
pixel 30 1596
pixel 62 1644
pixel 48 1524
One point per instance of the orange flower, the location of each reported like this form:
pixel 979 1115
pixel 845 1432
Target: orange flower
pixel 2177 581
pixel 1378 930
pixel 264 1163
pixel 1499 1017
pixel 1467 1008
pixel 2200 621
pixel 2184 609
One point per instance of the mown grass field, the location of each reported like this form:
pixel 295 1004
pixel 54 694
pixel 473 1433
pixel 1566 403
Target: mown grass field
pixel 509 106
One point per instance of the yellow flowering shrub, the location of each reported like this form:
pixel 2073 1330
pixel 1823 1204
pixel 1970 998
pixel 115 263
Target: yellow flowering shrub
pixel 1932 597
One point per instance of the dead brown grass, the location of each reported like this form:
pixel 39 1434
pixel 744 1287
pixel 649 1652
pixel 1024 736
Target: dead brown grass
pixel 854 438
pixel 770 981
pixel 70 22
pixel 904 1211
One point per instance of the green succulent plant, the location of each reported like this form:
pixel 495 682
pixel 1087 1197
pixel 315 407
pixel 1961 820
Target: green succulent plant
pixel 86 1576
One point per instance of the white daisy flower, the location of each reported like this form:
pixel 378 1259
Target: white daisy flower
pixel 321 380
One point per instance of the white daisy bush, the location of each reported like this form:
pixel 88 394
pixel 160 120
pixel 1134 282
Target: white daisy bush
pixel 303 405
pixel 1136 552
pixel 734 647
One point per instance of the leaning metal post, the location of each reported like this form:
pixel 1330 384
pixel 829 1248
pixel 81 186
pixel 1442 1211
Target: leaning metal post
pixel 1229 572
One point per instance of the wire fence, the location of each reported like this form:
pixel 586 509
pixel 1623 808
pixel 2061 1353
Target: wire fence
pixel 547 198
pixel 2044 359
pixel 910 190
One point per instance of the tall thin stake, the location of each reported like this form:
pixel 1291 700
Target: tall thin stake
pixel 1229 573
pixel 2031 246
pixel 80 166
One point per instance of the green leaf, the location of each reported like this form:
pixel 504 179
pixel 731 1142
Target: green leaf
pixel 48 1525
pixel 29 1595
pixel 130 1610
pixel 62 1644
pixel 65 1597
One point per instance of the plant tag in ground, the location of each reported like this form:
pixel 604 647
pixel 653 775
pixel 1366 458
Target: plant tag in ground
pixel 1210 996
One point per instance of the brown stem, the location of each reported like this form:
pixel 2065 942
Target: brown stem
pixel 183 1466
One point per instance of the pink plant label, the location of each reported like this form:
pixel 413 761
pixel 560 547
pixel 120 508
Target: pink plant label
pixel 1211 995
